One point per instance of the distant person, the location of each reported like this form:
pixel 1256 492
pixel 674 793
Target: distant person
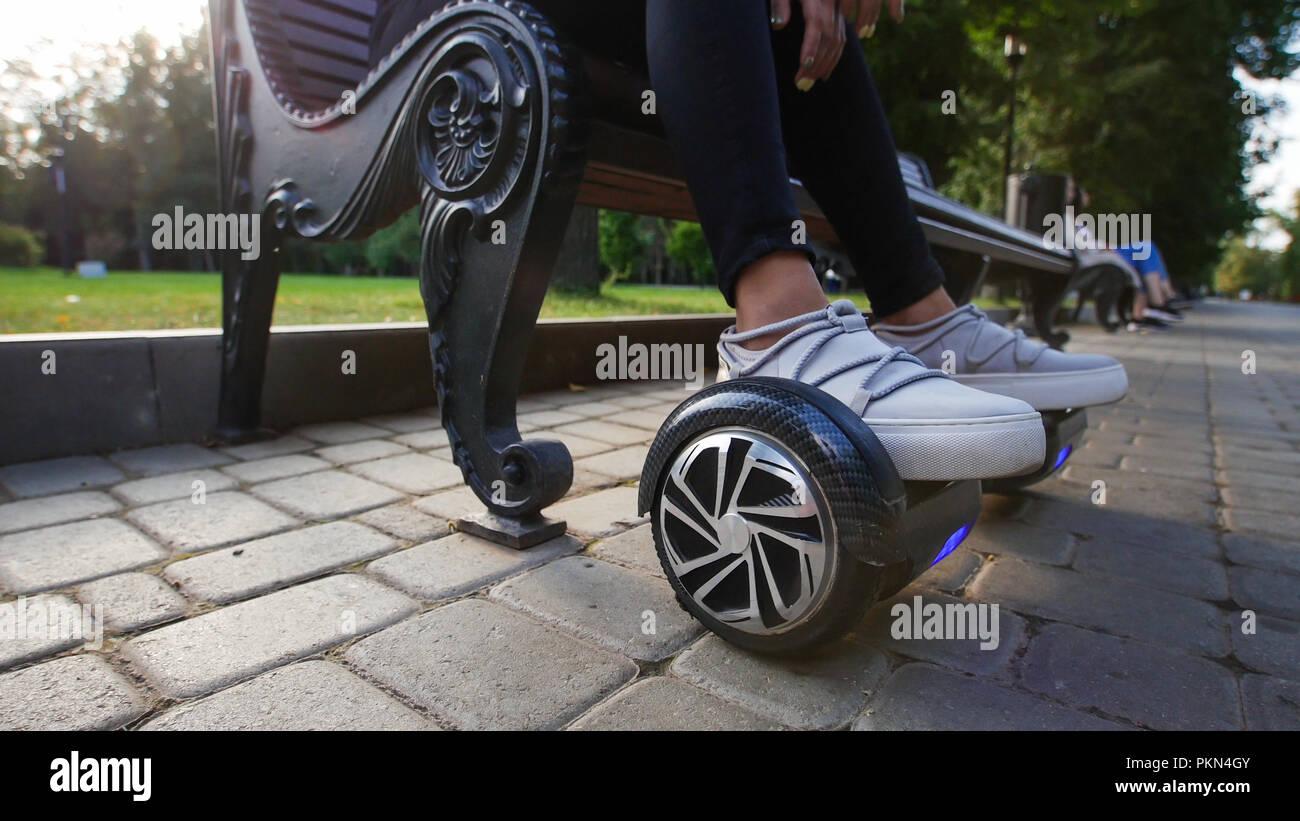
pixel 751 93
pixel 1151 308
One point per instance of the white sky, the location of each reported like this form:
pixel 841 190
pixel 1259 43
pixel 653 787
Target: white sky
pixel 66 24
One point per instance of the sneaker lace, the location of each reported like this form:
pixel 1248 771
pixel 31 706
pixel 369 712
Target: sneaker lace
pixel 837 318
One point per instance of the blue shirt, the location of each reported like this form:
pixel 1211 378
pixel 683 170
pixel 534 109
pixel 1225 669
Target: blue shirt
pixel 1153 264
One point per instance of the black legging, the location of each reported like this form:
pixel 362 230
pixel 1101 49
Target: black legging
pixel 724 87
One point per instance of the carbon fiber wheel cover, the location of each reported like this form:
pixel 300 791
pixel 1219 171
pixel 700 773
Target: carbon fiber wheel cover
pixel 804 446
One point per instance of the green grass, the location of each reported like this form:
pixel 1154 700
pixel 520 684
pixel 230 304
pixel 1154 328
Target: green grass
pixel 41 300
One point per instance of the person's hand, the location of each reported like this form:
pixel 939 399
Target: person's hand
pixel 864 14
pixel 823 38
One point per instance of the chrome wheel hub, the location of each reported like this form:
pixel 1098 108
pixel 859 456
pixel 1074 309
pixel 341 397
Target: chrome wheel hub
pixel 746 531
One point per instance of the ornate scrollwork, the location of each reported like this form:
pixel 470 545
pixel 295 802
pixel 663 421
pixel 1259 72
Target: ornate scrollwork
pixel 290 212
pixel 478 119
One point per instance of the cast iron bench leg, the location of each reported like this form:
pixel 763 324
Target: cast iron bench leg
pixel 501 147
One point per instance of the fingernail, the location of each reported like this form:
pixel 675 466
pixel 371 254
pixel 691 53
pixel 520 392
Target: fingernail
pixel 776 20
pixel 866 31
pixel 804 84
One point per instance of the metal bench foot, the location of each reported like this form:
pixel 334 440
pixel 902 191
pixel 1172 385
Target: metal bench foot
pixel 520 534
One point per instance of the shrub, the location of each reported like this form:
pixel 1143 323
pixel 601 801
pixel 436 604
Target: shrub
pixel 19 247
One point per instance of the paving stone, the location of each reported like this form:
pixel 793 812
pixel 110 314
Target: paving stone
pixel 599 514
pixel 821 690
pixel 1108 524
pixel 460 563
pixel 664 703
pixel 632 400
pixel 588 480
pixel 43 478
pixel 1272 592
pixel 635 548
pixel 579 446
pixel 172 486
pixel 479 665
pixel 47 624
pixel 610 432
pixel 1152 685
pixel 277 467
pixel 1158 567
pixel 1198 468
pixel 967 654
pixel 625 610
pixel 921 697
pixel 953 573
pixel 549 418
pixel 624 463
pixel 223 519
pixel 424 439
pixel 73 693
pixel 338 433
pixel 1154 616
pixel 1242 548
pixel 326 495
pixel 1244 480
pixel 365 451
pixel 30 513
pixel 411 473
pixel 276 561
pixel 599 410
pixel 212 651
pixel 161 459
pixel 132 601
pixel 406 523
pixel 278 446
pixel 646 419
pixel 450 504
pixel 310 695
pixel 1023 541
pixel 1263 523
pixel 1257 498
pixel 1273 648
pixel 51 557
pixel 1270 703
pixel 405 422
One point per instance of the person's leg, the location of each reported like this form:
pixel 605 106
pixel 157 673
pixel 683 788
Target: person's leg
pixel 840 147
pixel 716 83
pixel 712 69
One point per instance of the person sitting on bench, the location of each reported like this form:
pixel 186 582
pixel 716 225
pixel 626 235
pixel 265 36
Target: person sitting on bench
pixel 1151 308
pixel 751 94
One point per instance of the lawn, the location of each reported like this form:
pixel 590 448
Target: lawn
pixel 42 300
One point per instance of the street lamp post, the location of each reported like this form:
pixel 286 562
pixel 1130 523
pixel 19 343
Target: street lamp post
pixel 1014 50
pixel 57 168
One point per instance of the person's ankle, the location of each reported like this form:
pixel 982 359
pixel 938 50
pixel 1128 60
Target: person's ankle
pixel 933 305
pixel 779 286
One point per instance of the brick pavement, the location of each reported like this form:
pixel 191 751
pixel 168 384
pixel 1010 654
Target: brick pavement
pixel 318 584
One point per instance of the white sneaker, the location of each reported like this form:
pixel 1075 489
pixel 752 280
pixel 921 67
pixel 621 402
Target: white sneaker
pixel 985 355
pixel 933 428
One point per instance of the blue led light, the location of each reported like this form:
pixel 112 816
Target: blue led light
pixel 1062 456
pixel 955 539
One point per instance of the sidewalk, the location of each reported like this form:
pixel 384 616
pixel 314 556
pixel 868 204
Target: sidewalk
pixel 318 584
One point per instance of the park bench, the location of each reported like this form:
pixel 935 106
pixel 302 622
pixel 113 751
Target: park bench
pixel 495 127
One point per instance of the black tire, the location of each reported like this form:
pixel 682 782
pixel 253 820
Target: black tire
pixel 780 431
